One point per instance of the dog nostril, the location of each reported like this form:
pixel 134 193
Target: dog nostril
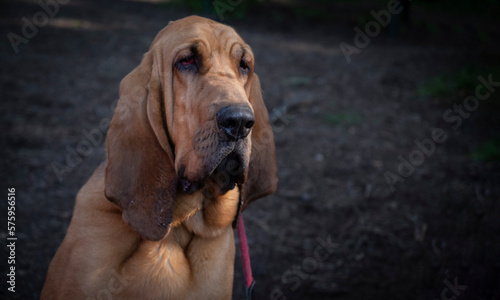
pixel 249 124
pixel 231 124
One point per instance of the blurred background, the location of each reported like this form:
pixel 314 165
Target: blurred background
pixel 386 123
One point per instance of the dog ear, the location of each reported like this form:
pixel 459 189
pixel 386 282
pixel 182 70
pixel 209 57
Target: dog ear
pixel 140 172
pixel 262 178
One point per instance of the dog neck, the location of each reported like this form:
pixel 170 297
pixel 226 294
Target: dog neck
pixel 203 215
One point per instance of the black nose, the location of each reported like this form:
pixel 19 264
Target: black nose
pixel 235 121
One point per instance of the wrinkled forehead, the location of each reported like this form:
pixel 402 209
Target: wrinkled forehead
pixel 195 30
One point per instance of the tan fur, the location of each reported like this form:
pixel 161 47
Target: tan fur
pixel 135 233
pixel 194 261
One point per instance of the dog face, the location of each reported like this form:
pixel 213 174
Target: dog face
pixel 214 117
pixel 190 116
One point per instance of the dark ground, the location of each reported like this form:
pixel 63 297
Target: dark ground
pixel 345 126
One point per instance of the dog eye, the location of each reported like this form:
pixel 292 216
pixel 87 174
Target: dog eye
pixel 187 63
pixel 244 68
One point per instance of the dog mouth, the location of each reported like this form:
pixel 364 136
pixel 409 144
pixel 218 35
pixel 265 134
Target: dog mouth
pixel 229 172
pixel 224 172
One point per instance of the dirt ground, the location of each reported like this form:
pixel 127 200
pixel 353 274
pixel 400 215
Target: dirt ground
pixel 339 128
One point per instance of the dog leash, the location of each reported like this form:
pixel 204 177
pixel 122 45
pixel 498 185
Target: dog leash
pixel 245 259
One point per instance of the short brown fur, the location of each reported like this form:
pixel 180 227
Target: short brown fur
pixel 153 222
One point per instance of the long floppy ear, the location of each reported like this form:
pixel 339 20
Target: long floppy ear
pixel 262 178
pixel 140 173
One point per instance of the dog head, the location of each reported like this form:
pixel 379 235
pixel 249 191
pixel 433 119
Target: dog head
pixel 189 117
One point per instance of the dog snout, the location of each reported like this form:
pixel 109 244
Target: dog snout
pixel 235 121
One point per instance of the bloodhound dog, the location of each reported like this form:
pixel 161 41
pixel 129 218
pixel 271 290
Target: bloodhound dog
pixel 188 148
